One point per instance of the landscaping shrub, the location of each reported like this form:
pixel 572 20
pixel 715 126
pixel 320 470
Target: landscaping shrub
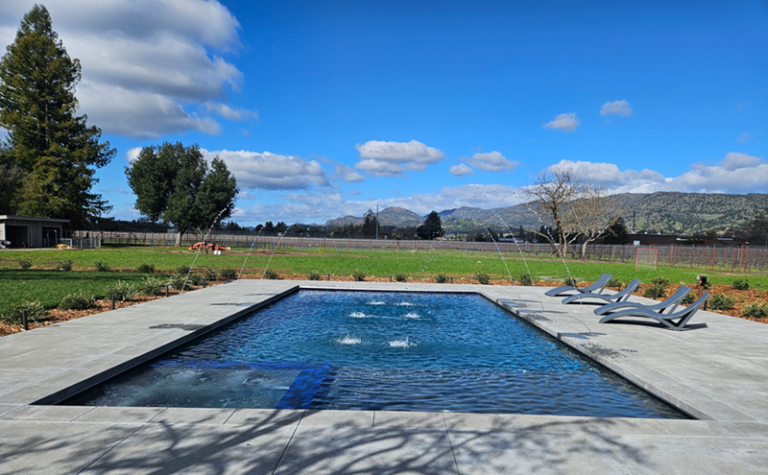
pixel 177 282
pixel 401 277
pixel 441 278
pixel 689 298
pixel 313 275
pixel 658 289
pixel 146 268
pixel 150 286
pixel 525 279
pixel 271 274
pixel 570 281
pixel 358 275
pixel 183 270
pixel 65 265
pixel 25 263
pixel 741 284
pixel 228 274
pixel 756 310
pixel 482 278
pixel 721 302
pixel 102 267
pixel 196 279
pixel 121 290
pixel 615 282
pixel 77 301
pixel 211 274
pixel 660 281
pixel 35 312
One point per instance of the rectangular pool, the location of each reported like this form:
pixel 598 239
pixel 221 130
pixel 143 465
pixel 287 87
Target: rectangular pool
pixel 380 351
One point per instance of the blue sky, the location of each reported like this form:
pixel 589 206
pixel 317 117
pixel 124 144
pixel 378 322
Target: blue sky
pixel 323 109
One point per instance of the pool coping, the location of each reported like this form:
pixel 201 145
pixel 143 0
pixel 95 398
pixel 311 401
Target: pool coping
pixel 727 403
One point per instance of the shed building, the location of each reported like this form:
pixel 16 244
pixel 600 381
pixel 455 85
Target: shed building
pixel 21 231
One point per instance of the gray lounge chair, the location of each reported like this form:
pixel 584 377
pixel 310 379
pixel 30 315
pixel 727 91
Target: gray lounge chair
pixel 599 285
pixel 668 319
pixel 606 298
pixel 674 300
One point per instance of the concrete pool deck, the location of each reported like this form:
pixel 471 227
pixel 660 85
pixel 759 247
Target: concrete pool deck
pixel 717 373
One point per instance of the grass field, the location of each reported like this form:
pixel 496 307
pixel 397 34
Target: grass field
pixel 49 286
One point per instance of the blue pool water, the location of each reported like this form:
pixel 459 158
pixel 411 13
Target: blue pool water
pixel 380 351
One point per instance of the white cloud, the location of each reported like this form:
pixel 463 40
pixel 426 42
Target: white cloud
pixel 736 173
pixel 744 138
pixel 565 122
pixel 461 170
pixel 394 159
pixel 621 108
pixel 133 154
pixel 348 174
pixel 144 61
pixel 271 171
pixel 229 113
pixel 492 162
pixel 354 192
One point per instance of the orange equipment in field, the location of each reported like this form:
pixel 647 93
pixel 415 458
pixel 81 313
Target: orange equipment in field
pixel 202 245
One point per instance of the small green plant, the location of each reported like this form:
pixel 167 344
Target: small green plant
pixel 150 286
pixel 211 274
pixel 401 277
pixel 35 312
pixel 755 310
pixel 77 301
pixel 271 274
pixel 689 298
pixel 228 274
pixel 660 281
pixel 483 278
pixel 654 292
pixel 146 269
pixel 721 302
pixel 570 281
pixel 102 266
pixel 526 279
pixel 121 290
pixel 183 270
pixel 25 263
pixel 65 265
pixel 615 282
pixel 441 278
pixel 196 279
pixel 741 284
pixel 313 275
pixel 178 282
pixel 358 275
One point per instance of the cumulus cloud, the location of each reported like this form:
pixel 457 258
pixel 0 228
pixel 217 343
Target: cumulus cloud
pixel 348 174
pixel 461 170
pixel 145 62
pixel 621 108
pixel 271 171
pixel 736 173
pixel 565 122
pixel 492 162
pixel 394 159
pixel 132 154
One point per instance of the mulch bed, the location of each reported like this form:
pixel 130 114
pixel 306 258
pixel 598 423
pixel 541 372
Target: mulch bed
pixel 742 298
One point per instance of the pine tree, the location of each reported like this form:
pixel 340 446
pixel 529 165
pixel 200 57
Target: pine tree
pixel 432 227
pixel 52 146
pixel 616 233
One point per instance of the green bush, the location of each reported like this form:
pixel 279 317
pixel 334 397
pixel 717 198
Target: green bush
pixel 146 269
pixel 570 281
pixel 228 274
pixel 177 282
pixel 655 292
pixel 525 279
pixel 211 274
pixel 441 278
pixel 741 284
pixel 313 275
pixel 35 312
pixel 271 274
pixel 121 290
pixel 78 301
pixel 690 297
pixel 25 263
pixel 183 270
pixel 102 267
pixel 65 265
pixel 721 302
pixel 150 286
pixel 756 310
pixel 358 275
pixel 196 279
pixel 660 281
pixel 482 278
pixel 615 282
pixel 401 277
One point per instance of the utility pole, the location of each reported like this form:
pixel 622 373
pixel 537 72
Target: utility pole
pixel 634 229
pixel 377 222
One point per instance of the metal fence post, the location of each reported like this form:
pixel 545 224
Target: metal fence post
pixel 24 319
pixel 113 301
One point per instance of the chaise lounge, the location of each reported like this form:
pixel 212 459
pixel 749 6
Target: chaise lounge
pixel 674 300
pixel 599 285
pixel 606 298
pixel 668 319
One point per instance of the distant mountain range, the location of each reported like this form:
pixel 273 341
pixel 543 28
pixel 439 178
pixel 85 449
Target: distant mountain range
pixel 665 212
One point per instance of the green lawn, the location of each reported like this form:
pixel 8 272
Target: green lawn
pixel 49 286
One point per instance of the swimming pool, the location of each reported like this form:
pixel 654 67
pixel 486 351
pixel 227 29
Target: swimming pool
pixel 380 351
